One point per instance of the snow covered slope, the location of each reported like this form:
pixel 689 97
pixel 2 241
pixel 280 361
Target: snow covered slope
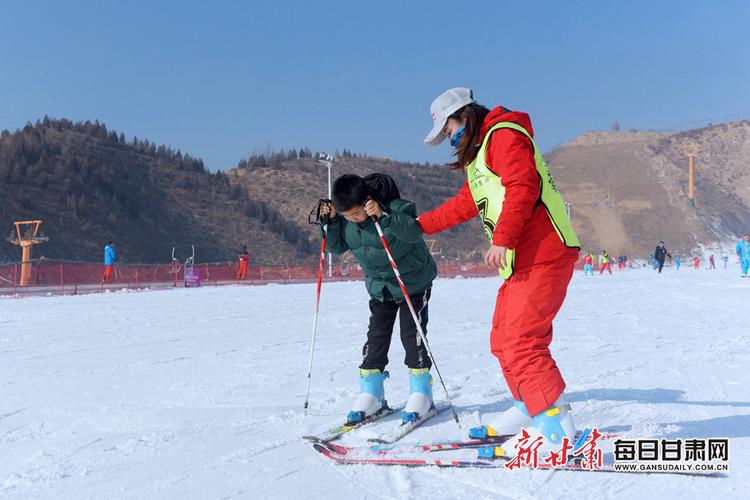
pixel 198 393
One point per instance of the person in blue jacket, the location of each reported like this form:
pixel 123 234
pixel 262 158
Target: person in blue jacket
pixel 743 252
pixel 677 262
pixel 110 257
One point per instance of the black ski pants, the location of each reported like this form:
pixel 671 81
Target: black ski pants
pixel 382 319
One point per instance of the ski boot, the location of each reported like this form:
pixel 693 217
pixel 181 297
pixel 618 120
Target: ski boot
pixel 420 395
pixel 371 399
pixel 509 422
pixel 553 424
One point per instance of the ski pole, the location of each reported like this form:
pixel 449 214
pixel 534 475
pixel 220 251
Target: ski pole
pixel 414 316
pixel 317 307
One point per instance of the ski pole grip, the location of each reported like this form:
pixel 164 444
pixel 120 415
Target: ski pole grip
pixel 326 218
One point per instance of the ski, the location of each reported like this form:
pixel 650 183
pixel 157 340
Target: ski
pixel 447 445
pixel 396 449
pixel 480 464
pixel 342 459
pixel 403 429
pixel 340 430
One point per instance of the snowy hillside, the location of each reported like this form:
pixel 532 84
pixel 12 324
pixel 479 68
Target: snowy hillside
pixel 198 393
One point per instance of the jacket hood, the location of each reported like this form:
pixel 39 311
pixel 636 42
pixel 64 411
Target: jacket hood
pixel 501 114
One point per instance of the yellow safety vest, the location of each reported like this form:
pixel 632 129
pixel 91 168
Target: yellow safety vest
pixel 488 192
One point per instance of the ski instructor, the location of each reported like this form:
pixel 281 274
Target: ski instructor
pixel 531 243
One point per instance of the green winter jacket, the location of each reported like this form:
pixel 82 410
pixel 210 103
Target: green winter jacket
pixel 404 237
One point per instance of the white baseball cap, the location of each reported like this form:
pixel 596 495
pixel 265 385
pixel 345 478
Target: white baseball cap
pixel 445 105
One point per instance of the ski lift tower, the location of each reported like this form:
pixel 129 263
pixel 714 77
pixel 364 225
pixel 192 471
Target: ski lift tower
pixel 327 160
pixel 691 151
pixel 27 235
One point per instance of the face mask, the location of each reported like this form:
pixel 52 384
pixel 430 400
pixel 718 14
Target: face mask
pixel 456 138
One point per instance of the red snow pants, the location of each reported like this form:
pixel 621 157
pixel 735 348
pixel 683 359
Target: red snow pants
pixel 107 274
pixel 242 273
pixel 522 332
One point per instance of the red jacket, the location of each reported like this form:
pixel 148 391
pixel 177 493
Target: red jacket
pixel 588 259
pixel 522 226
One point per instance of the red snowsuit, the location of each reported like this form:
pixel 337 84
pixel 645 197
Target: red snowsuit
pixel 528 302
pixel 244 262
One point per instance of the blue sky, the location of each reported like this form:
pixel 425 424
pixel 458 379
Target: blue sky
pixel 221 79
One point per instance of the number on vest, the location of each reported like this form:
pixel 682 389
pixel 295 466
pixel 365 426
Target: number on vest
pixel 489 224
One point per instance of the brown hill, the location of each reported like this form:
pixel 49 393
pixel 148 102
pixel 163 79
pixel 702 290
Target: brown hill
pixel 628 190
pixel 294 186
pixel 89 184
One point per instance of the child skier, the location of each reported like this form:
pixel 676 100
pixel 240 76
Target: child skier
pixel 588 264
pixel 351 228
pixel 677 262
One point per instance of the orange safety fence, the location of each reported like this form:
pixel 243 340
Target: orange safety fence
pixel 71 277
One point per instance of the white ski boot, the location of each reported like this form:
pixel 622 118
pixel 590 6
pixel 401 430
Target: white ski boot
pixel 420 395
pixel 553 424
pixel 371 399
pixel 509 422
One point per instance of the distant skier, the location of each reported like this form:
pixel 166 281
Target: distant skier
pixel 604 262
pixel 244 258
pixel 532 244
pixel 588 264
pixel 620 261
pixel 110 258
pixel 351 228
pixel 743 252
pixel 660 254
pixel 711 262
pixel 696 263
pixel 677 263
pixel 725 259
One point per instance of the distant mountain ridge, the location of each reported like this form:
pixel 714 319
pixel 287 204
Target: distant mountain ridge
pixel 627 190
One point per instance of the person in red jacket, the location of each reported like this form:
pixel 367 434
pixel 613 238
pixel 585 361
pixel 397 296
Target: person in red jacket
pixel 244 257
pixel 541 265
pixel 588 264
